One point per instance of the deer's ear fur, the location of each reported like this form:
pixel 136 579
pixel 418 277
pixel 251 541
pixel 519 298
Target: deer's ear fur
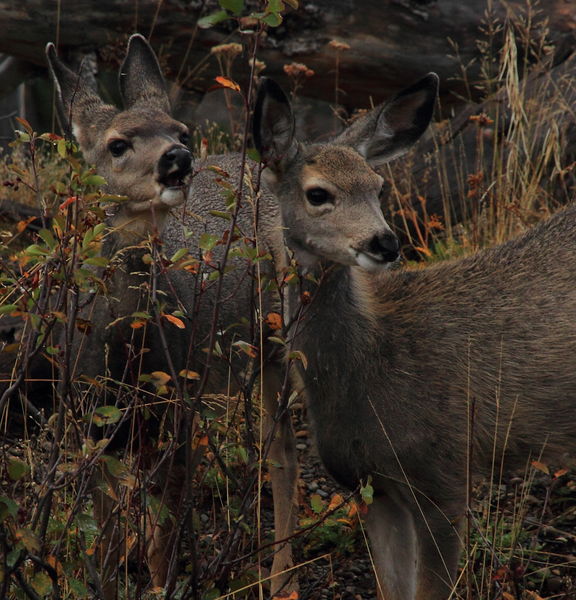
pixel 140 77
pixel 78 107
pixel 389 130
pixel 273 126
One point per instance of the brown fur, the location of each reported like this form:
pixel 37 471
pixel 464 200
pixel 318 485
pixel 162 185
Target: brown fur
pixel 114 350
pixel 415 376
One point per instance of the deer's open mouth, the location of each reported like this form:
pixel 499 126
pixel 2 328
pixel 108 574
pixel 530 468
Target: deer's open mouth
pixel 176 179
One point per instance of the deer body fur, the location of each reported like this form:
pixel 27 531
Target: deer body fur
pixel 419 380
pixel 142 153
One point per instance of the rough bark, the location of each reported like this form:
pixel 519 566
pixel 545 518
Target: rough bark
pixel 391 41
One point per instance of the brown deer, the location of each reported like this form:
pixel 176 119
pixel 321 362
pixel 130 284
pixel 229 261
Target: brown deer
pixel 142 153
pixel 416 378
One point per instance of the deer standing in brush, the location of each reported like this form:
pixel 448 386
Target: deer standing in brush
pixel 142 153
pixel 416 378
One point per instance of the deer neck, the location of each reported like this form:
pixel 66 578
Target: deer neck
pixel 333 320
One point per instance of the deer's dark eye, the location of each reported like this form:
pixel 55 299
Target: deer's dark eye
pixel 184 138
pixel 318 196
pixel 118 147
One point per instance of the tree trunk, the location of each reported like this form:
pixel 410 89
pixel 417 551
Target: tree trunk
pixel 392 42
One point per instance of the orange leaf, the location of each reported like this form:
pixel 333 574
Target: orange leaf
pixel 70 200
pixel 541 467
pixel 335 501
pixel 21 225
pixel 274 320
pixel 560 472
pixel 189 374
pixel 286 596
pixel 423 250
pixel 175 321
pixel 137 324
pixel 228 83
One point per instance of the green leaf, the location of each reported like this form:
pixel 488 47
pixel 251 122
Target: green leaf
pixel 298 355
pixel 141 315
pixel 275 6
pixel 78 588
pixel 98 229
pixel 8 508
pixel 253 154
pixel 95 180
pixel 87 524
pixel 179 254
pixel 234 6
pixel 8 308
pixel 48 238
pixel 115 467
pixel 17 469
pixel 97 261
pixel 61 147
pixel 221 214
pixel 212 594
pixel 35 250
pixel 22 136
pixel 207 241
pixel 107 415
pixel 367 492
pixel 41 583
pixel 317 503
pixel 213 19
pixel 272 19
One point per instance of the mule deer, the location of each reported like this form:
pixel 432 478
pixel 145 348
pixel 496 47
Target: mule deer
pixel 416 377
pixel 142 153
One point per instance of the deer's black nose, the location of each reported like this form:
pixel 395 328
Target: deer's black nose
pixel 177 157
pixel 385 246
pixel 174 165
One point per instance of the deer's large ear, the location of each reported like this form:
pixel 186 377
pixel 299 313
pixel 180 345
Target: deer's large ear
pixel 389 130
pixel 77 104
pixel 141 79
pixel 273 126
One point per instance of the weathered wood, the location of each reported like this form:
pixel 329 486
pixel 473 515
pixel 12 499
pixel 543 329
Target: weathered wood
pixel 392 42
pixel 471 159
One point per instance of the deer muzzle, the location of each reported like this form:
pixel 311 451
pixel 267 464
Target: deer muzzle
pixel 174 166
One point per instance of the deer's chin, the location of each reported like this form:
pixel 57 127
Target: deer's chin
pixel 371 263
pixel 173 196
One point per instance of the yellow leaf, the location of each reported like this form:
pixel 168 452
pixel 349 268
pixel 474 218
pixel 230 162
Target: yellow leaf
pixel 228 83
pixel 189 374
pixel 160 377
pixel 541 467
pixel 175 321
